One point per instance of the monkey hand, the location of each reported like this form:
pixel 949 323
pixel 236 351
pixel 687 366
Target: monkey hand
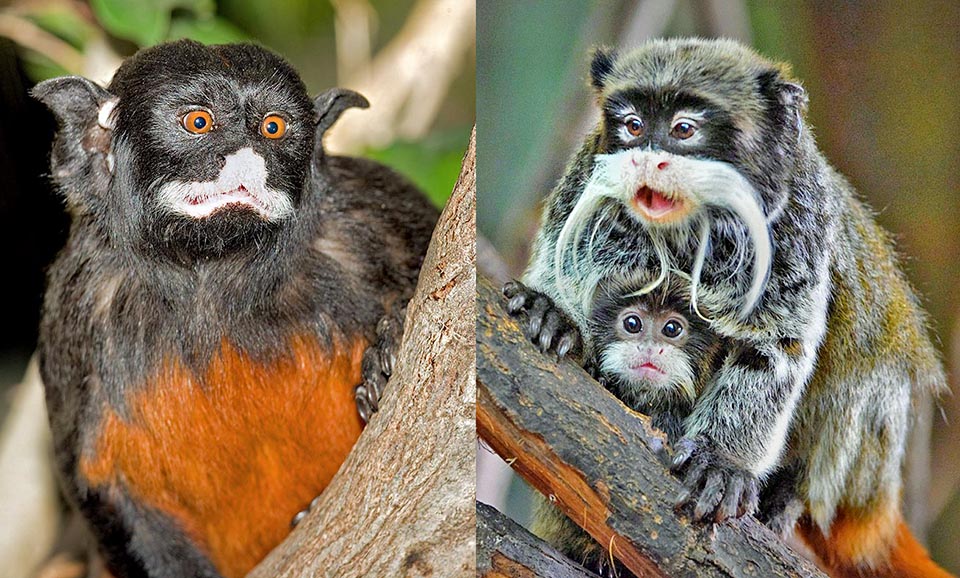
pixel 713 482
pixel 546 324
pixel 378 361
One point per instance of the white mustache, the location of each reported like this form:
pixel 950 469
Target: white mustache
pixel 242 180
pixel 697 184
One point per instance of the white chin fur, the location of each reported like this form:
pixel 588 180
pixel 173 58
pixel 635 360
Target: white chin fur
pixel 242 182
pixel 695 183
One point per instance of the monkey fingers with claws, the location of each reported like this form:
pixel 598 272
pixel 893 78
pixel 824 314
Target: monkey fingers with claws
pixel 546 325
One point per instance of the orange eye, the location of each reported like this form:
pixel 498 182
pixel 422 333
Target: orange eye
pixel 273 126
pixel 197 121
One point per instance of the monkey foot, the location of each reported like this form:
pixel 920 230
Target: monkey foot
pixel 781 505
pixel 377 364
pixel 547 325
pixel 714 484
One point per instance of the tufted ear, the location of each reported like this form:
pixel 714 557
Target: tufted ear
pixel 789 95
pixel 329 105
pixel 601 65
pixel 76 101
pixel 81 159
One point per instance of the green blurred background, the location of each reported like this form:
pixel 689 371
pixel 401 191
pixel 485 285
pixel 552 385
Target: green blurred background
pixel 414 60
pixel 883 79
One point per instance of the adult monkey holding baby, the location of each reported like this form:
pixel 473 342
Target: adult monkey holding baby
pixel 701 167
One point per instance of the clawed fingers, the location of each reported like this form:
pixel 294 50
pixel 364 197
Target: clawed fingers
pixel 717 488
pixel 546 325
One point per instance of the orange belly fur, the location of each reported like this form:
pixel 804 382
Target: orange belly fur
pixel 234 455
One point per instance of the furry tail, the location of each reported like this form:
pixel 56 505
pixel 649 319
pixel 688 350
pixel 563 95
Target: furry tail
pixel 870 547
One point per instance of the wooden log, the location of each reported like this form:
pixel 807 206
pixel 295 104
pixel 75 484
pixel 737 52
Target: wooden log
pixel 506 550
pixel 403 502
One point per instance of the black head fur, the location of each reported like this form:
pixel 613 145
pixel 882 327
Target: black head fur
pixel 141 145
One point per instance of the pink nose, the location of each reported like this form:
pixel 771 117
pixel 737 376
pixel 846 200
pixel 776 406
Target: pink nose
pixel 662 165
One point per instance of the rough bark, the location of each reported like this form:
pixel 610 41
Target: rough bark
pixel 403 502
pixel 569 438
pixel 505 549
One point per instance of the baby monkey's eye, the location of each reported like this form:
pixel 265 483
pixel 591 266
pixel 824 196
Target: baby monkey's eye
pixel 634 125
pixel 197 121
pixel 273 126
pixel 683 129
pixel 632 324
pixel 672 329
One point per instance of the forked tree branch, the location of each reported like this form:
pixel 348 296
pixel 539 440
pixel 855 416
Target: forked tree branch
pixel 403 502
pixel 571 439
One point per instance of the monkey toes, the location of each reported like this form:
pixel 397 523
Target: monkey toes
pixel 377 364
pixel 713 483
pixel 546 324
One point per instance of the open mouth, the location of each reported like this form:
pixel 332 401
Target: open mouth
pixel 238 197
pixel 655 206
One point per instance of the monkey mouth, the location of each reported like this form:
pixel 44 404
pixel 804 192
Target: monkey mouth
pixel 647 370
pixel 656 206
pixel 207 204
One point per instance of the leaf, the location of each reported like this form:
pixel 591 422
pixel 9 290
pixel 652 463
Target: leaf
pixel 214 30
pixel 145 22
pixel 64 23
pixel 432 164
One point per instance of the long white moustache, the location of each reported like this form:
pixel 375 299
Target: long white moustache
pixel 686 185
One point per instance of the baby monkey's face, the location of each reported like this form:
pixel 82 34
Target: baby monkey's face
pixel 646 347
pixel 650 349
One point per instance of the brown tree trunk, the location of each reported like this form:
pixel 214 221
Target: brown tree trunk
pixel 571 439
pixel 403 502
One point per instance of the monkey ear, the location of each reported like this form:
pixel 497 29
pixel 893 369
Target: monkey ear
pixel 792 95
pixel 793 98
pixel 75 101
pixel 329 105
pixel 601 65
pixel 81 159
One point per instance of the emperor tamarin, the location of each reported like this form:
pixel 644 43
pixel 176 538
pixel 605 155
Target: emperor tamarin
pixel 702 167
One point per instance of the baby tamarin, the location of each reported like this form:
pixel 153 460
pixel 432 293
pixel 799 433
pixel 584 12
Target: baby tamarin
pixel 656 355
pixel 701 165
pixel 651 351
pixel 225 289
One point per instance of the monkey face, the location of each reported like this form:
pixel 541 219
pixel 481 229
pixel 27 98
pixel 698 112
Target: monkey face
pixel 717 105
pixel 647 352
pixel 214 143
pixel 693 136
pixel 651 351
pixel 194 150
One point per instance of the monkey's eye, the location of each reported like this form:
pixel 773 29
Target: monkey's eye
pixel 632 323
pixel 672 329
pixel 634 125
pixel 683 129
pixel 273 126
pixel 197 121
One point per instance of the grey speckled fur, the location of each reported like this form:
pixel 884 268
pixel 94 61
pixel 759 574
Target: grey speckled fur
pixel 822 372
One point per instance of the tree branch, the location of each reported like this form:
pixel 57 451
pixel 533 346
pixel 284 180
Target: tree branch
pixel 402 504
pixel 504 548
pixel 570 438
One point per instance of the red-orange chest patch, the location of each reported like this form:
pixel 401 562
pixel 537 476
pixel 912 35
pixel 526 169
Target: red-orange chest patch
pixel 233 455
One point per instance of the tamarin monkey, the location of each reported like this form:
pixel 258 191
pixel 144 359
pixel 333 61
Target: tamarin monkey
pixel 702 166
pixel 228 298
pixel 654 354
